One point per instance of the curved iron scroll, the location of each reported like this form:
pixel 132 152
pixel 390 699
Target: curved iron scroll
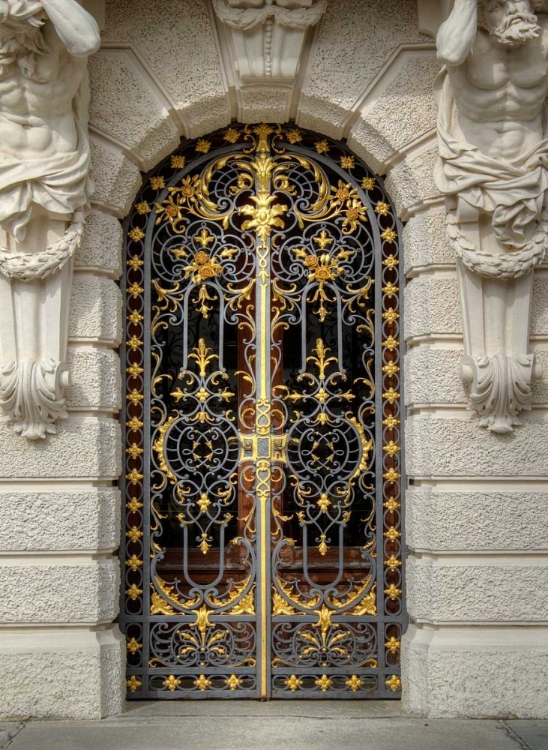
pixel 263 551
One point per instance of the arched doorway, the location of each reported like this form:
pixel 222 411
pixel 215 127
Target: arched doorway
pixel 263 461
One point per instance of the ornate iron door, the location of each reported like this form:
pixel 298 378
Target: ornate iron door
pixel 262 549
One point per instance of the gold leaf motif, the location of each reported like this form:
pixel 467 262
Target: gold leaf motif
pixel 204 545
pixel 159 606
pixel 322 547
pixel 391 422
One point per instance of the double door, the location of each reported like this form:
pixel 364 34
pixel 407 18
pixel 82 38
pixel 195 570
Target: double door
pixel 262 553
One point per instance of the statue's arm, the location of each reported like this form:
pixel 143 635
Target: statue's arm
pixel 457 35
pixel 75 27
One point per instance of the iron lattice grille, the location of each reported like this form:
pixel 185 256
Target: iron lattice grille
pixel 262 554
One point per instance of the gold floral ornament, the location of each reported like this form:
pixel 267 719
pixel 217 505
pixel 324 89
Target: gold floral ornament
pixel 324 683
pixel 264 215
pixel 294 136
pixel 322 147
pixel 231 135
pixel 178 162
pixel 344 200
pixel 136 234
pixel 393 645
pixel 133 645
pixel 203 146
pixel 202 683
pixel 157 183
pixel 189 195
pixel 368 183
pixel 171 683
pixel 133 684
pixel 233 682
pixel 394 683
pixel 293 683
pixel 348 162
pixel 143 207
pixel 322 269
pixel 354 683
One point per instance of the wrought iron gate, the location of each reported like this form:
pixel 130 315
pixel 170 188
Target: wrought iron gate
pixel 262 553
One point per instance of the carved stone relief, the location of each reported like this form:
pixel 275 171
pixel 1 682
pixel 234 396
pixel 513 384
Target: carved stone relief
pixel 493 170
pixel 266 37
pixel 44 193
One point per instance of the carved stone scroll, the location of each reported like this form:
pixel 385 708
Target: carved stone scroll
pixel 493 171
pixel 267 36
pixel 44 193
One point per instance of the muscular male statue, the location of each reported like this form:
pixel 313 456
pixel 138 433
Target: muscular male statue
pixel 44 195
pixel 44 151
pixel 493 167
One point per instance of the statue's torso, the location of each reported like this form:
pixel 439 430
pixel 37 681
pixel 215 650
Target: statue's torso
pixel 500 94
pixel 36 113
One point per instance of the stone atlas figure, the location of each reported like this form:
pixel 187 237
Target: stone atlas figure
pixel 493 144
pixel 44 192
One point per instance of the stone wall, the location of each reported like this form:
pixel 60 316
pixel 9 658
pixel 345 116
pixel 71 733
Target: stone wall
pixel 476 527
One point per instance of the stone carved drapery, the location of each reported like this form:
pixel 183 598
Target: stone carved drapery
pixel 44 193
pixel 267 36
pixel 493 170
